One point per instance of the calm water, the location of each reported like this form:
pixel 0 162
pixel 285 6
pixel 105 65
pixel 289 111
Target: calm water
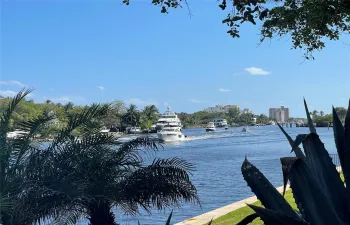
pixel 217 157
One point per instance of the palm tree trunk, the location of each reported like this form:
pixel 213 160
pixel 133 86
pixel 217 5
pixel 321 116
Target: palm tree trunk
pixel 100 214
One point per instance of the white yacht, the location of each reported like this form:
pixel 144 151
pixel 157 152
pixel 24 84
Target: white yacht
pixel 171 132
pixel 218 122
pixel 168 117
pixel 210 127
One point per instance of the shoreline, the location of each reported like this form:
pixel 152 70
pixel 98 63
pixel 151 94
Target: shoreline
pixel 216 213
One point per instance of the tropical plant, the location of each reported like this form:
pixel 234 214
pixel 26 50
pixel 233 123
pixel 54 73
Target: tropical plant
pixel 86 176
pixel 320 194
pixel 132 116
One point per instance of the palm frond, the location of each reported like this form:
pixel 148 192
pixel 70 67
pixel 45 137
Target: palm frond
pixel 165 183
pixel 69 218
pixel 6 116
pixel 75 121
pixel 33 125
pixel 131 150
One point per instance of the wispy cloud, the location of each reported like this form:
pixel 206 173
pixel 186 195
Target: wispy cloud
pixel 224 90
pixel 101 87
pixel 237 74
pixel 140 102
pixel 12 82
pixel 195 101
pixel 256 71
pixel 9 93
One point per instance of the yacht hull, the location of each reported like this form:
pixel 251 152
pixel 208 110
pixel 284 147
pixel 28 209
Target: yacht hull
pixel 170 137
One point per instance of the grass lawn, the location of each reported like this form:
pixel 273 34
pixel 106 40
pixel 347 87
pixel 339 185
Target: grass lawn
pixel 235 216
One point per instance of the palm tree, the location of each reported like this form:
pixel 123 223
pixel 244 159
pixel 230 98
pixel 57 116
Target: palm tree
pixel 314 114
pixel 101 178
pixel 84 177
pixel 321 113
pixel 13 153
pixel 132 116
pixel 68 106
pixel 149 116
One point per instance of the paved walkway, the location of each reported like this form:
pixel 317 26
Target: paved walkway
pixel 206 217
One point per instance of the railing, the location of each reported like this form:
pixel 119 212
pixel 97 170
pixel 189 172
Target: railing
pixel 336 161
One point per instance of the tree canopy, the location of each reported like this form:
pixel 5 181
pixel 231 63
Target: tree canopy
pixel 309 23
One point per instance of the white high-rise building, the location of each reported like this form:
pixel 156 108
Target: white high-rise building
pixel 281 115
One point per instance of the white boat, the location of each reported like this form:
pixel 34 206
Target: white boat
pixel 166 118
pixel 134 130
pixel 16 134
pixel 210 127
pixel 218 122
pixel 171 133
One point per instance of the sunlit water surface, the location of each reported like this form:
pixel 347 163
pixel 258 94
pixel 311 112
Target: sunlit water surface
pixel 217 157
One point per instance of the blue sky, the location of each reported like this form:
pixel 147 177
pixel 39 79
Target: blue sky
pixel 97 51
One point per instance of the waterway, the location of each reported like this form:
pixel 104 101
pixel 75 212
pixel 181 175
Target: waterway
pixel 217 157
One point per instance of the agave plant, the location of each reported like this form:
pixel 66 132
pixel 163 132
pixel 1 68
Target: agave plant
pixel 320 194
pixel 70 177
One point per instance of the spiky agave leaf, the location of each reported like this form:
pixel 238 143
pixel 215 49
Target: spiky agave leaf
pixel 317 208
pixel 169 218
pixel 339 137
pixel 287 163
pixel 346 169
pixel 265 191
pixel 248 219
pixel 323 169
pixel 271 217
pixel 298 152
pixel 309 120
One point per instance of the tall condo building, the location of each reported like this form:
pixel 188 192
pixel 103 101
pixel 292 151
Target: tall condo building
pixel 281 115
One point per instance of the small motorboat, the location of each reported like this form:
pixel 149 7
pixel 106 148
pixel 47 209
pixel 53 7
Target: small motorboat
pixel 226 128
pixel 134 130
pixel 210 127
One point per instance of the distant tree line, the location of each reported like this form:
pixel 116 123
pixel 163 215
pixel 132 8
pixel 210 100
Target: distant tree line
pixel 324 120
pixel 233 116
pixel 118 116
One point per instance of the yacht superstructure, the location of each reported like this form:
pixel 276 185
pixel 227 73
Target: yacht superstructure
pixel 167 118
